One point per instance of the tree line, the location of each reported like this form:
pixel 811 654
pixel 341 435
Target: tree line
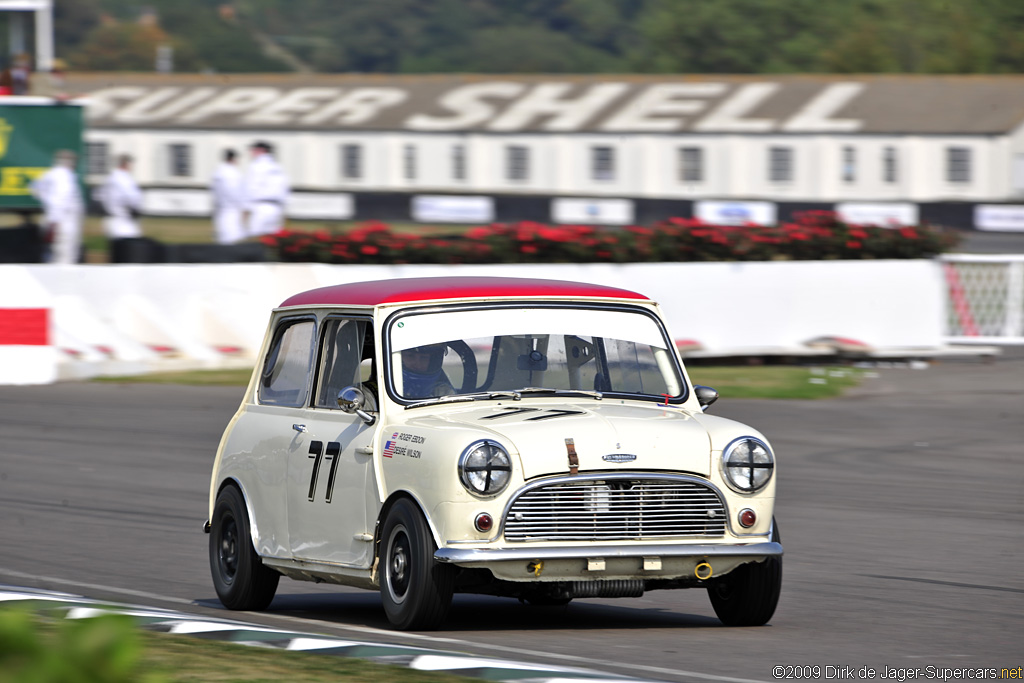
pixel 547 36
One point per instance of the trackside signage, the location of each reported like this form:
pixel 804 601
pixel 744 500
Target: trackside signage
pixel 31 130
pixel 736 213
pixel 882 214
pixel 999 217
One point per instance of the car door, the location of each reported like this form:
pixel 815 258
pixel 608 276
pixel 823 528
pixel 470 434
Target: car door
pixel 331 494
pixel 264 439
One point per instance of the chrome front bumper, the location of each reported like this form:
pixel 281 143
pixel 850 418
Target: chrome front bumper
pixel 753 552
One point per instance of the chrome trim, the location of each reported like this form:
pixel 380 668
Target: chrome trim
pixel 617 476
pixel 632 306
pixel 619 457
pixel 462 462
pixel 725 477
pixel 475 555
pixel 312 363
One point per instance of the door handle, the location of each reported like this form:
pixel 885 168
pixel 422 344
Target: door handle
pixel 300 428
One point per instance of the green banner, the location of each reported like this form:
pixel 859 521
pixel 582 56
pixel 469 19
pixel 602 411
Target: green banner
pixel 30 134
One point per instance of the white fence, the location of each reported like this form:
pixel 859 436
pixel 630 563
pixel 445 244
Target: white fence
pixel 984 298
pixel 130 319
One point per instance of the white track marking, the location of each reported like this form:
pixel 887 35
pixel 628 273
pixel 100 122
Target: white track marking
pixel 507 651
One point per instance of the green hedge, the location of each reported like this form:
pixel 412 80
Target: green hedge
pixel 814 235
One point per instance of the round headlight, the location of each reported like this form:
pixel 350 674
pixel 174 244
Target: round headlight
pixel 485 468
pixel 747 464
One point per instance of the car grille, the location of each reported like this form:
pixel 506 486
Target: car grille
pixel 616 509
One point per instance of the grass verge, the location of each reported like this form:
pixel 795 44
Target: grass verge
pixel 731 382
pixel 237 377
pixel 776 381
pixel 182 659
pixel 112 649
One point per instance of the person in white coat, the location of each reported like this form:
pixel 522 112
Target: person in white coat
pixel 59 193
pixel 122 201
pixel 228 201
pixel 266 190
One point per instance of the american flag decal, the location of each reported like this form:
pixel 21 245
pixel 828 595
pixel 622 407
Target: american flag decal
pixel 389 446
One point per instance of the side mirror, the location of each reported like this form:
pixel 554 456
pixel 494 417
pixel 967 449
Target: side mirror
pixel 705 396
pixel 351 400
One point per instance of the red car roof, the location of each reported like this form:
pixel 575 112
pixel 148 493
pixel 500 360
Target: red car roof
pixel 435 288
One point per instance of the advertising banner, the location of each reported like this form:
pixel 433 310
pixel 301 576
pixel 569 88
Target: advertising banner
pixel 336 206
pixel 32 129
pixel 159 202
pixel 300 205
pixel 999 217
pixel 452 209
pixel 593 211
pixel 882 214
pixel 736 213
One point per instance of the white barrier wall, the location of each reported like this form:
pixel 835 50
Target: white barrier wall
pixel 123 319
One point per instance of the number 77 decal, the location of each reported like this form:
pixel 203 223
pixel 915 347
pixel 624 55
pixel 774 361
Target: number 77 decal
pixel 316 451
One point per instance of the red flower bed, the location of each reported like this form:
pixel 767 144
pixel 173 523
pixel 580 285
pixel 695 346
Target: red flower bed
pixel 813 235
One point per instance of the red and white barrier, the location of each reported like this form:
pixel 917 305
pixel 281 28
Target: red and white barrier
pixel 129 319
pixel 27 355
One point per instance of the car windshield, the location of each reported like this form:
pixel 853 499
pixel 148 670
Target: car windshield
pixel 461 352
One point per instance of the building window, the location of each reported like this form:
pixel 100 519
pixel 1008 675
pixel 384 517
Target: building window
pixel 459 162
pixel 602 163
pixel 889 169
pixel 409 162
pixel 180 158
pixel 691 164
pixel 958 164
pixel 780 164
pixel 97 158
pixel 517 162
pixel 352 161
pixel 849 164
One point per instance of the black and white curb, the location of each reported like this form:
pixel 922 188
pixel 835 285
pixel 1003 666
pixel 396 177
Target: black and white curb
pixel 168 621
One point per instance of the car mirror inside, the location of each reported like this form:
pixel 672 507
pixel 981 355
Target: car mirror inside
pixel 532 362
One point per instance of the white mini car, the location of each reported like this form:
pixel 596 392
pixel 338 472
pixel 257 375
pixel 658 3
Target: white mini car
pixel 535 439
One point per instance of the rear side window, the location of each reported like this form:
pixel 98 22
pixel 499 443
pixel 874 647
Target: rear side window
pixel 285 376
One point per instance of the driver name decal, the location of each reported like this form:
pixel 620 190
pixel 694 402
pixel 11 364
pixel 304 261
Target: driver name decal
pixel 397 449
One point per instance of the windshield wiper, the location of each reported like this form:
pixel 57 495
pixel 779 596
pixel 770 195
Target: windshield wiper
pixel 457 398
pixel 461 398
pixel 514 395
pixel 544 390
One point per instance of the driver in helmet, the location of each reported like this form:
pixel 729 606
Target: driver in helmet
pixel 422 376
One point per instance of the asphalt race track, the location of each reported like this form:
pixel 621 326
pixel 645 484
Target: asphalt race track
pixel 900 506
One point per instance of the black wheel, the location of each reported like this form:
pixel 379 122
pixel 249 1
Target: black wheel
pixel 416 590
pixel 241 580
pixel 748 595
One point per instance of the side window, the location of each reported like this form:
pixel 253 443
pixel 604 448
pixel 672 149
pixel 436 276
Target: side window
pixel 346 359
pixel 286 369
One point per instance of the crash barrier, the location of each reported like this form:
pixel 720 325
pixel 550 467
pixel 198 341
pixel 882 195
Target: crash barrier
pixel 985 298
pixel 147 250
pixel 129 319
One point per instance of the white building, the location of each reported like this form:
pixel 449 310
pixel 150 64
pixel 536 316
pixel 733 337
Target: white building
pixel 475 148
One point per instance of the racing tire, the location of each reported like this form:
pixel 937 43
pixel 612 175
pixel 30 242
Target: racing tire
pixel 239 577
pixel 416 590
pixel 748 595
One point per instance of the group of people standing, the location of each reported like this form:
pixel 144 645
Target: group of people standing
pixel 259 194
pixel 262 192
